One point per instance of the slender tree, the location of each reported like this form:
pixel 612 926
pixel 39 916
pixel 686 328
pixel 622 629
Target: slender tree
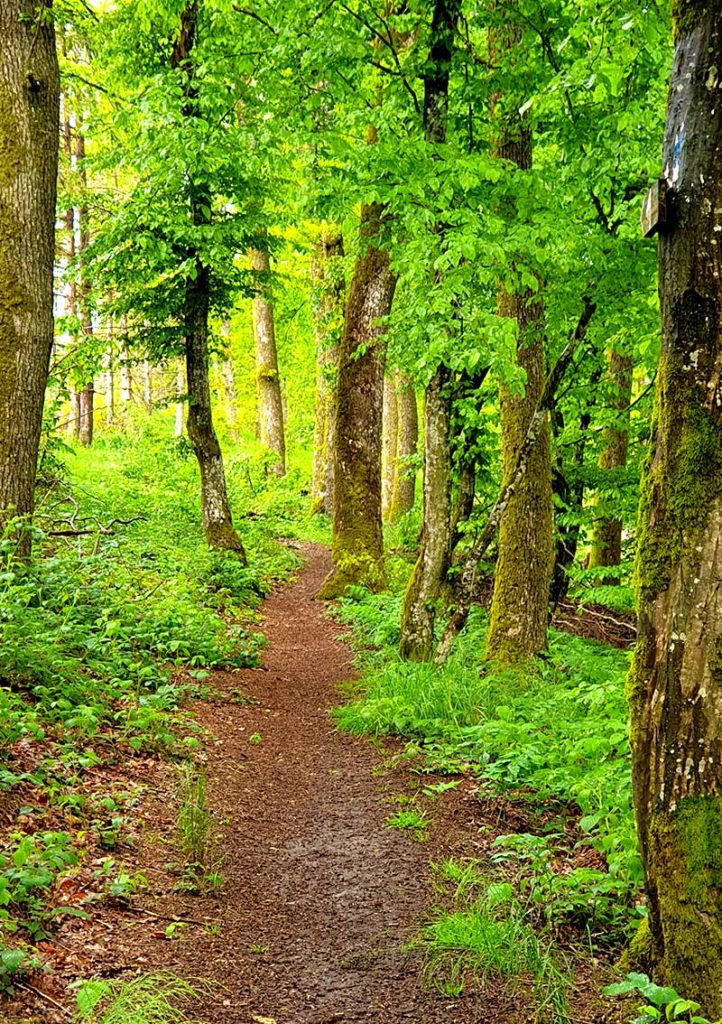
pixel 429 574
pixel 607 541
pixel 404 486
pixel 677 671
pixel 29 136
pixel 389 448
pixel 268 380
pixel 327 271
pixel 216 511
pixel 520 602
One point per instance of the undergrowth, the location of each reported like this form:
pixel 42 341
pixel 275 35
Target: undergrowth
pixel 114 622
pixel 552 737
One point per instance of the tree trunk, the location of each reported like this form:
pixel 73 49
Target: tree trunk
pixel 520 602
pixel 677 671
pixel 109 384
pixel 215 508
pixel 29 134
pixel 228 376
pixel 607 543
pixel 389 447
pixel 126 377
pixel 270 404
pixel 358 555
pixel 147 386
pixel 402 498
pixel 327 270
pixel 87 415
pixel 180 386
pixel 429 575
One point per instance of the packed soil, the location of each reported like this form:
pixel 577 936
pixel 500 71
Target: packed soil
pixel 319 898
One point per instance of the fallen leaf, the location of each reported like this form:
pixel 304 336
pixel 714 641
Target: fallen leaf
pixel 263 1020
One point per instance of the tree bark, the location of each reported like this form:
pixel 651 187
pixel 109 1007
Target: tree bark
pixel 607 543
pixel 404 491
pixel 520 602
pixel 87 414
pixel 429 575
pixel 389 448
pixel 270 403
pixel 215 508
pixel 228 376
pixel 87 392
pixel 677 671
pixel 29 135
pixel 327 270
pixel 180 386
pixel 358 556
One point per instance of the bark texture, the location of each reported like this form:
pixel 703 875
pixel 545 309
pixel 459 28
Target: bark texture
pixel 215 508
pixel 358 555
pixel 607 541
pixel 389 452
pixel 268 381
pixel 519 608
pixel 429 576
pixel 407 413
pixel 675 683
pixel 327 270
pixel 29 136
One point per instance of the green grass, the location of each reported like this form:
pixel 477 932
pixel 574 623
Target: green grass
pixel 409 819
pixel 485 936
pixel 149 999
pixel 553 736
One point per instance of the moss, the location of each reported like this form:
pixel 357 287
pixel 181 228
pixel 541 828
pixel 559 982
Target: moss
pixel 639 954
pixel 688 878
pixel 222 536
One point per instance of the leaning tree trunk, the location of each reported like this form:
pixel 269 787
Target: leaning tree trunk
pixel 327 270
pixel 520 602
pixel 270 403
pixel 29 135
pixel 402 497
pixel 389 447
pixel 215 508
pixel 429 576
pixel 358 555
pixel 607 542
pixel 677 672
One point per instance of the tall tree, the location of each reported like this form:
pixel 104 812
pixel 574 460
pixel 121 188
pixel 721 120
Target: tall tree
pixel 404 483
pixel 520 602
pixel 216 511
pixel 327 271
pixel 358 555
pixel 676 675
pixel 268 380
pixel 607 540
pixel 29 135
pixel 389 448
pixel 429 574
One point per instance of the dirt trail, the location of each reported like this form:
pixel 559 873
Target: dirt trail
pixel 318 896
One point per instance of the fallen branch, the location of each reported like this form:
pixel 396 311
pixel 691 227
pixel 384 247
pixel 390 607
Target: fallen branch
pixel 481 544
pixel 27 987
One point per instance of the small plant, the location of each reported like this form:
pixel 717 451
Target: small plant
pixel 663 1003
pixel 485 936
pixel 195 823
pixel 412 820
pixel 150 999
pixel 15 963
pixel 256 739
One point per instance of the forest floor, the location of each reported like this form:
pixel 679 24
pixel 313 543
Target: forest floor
pixel 318 898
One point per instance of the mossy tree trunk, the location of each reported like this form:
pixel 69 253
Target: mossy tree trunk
pixel 607 542
pixel 520 602
pixel 404 490
pixel 677 671
pixel 215 508
pixel 29 137
pixel 327 270
pixel 358 556
pixel 389 453
pixel 429 575
pixel 268 381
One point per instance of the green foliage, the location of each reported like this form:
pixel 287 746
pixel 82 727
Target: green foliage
pixel 148 999
pixel 485 936
pixel 663 1003
pixel 29 867
pixel 553 735
pixel 195 825
pixel 410 819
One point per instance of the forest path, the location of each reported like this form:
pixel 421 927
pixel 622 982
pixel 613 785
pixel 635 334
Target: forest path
pixel 318 895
